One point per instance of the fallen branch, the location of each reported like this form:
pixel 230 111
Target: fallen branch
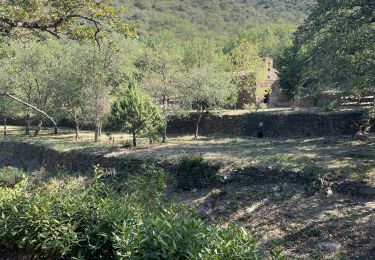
pixel 12 96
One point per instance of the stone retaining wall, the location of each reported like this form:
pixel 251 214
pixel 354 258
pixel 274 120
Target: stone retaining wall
pixel 274 124
pixel 298 124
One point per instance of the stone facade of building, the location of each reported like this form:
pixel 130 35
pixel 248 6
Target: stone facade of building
pixel 271 88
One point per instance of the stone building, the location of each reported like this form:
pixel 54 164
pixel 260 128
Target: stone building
pixel 268 92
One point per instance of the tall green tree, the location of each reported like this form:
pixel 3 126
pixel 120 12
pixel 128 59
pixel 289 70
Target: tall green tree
pixel 207 83
pixel 30 75
pixel 292 79
pixel 249 68
pixel 339 42
pixel 161 67
pixel 135 113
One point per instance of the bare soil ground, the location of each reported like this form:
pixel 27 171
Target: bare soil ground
pixel 309 225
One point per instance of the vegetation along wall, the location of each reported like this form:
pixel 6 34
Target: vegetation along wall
pixel 276 124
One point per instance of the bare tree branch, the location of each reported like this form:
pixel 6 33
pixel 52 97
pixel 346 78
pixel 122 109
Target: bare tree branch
pixel 12 96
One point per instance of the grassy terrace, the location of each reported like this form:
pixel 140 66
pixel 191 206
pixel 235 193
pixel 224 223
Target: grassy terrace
pixel 349 157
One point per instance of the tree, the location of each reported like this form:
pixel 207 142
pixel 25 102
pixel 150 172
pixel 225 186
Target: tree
pixel 71 82
pixel 249 68
pixel 160 71
pixel 82 19
pixel 207 87
pixel 135 113
pixel 8 109
pixel 89 78
pixel 338 39
pixel 30 72
pixel 206 84
pixel 106 75
pixel 290 65
pixel 270 38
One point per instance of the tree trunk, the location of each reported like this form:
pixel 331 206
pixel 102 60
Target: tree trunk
pixel 27 124
pixel 100 128
pixel 293 103
pixel 134 139
pixel 197 125
pixel 37 129
pixel 96 138
pixel 77 129
pixel 5 126
pixel 164 140
pixel 76 121
pixel 165 133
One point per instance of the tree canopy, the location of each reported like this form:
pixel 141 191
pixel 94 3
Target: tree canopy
pixel 336 47
pixel 135 113
pixel 75 19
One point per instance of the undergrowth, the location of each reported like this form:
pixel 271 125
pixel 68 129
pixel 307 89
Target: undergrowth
pixel 193 171
pixel 76 218
pixel 10 176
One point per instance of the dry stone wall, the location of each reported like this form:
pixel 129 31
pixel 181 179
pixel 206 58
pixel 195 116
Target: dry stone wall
pixel 277 124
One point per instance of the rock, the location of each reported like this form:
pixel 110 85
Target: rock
pixel 328 246
pixel 328 191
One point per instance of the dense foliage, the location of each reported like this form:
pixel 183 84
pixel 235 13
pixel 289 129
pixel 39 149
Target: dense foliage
pixel 85 219
pixel 10 176
pixel 70 81
pixel 83 19
pixel 135 113
pixel 334 49
pixel 195 172
pixel 214 18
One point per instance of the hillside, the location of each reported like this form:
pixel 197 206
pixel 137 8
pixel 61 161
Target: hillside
pixel 213 18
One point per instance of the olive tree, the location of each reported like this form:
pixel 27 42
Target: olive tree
pixel 30 73
pixel 206 88
pixel 160 67
pixel 207 82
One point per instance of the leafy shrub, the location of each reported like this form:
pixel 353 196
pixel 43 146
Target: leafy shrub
pixel 147 182
pixel 73 219
pixel 193 171
pixel 168 233
pixel 232 242
pixel 250 107
pixel 262 106
pixel 10 176
pixel 328 107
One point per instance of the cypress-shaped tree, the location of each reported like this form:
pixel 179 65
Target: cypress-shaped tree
pixel 136 114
